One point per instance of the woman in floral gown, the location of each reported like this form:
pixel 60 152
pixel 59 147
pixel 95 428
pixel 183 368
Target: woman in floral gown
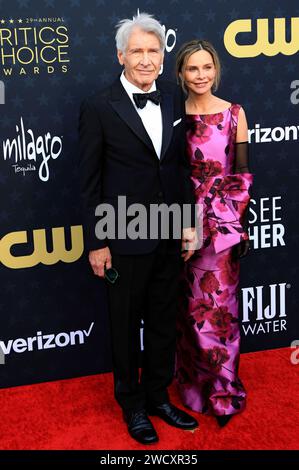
pixel 209 336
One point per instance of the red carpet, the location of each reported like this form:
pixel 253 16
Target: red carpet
pixel 82 414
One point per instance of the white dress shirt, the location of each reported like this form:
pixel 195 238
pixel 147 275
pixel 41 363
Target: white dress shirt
pixel 151 115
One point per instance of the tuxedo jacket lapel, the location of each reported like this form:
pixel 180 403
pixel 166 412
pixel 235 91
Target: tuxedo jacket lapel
pixel 167 120
pixel 124 107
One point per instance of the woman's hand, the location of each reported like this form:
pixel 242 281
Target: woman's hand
pixel 242 249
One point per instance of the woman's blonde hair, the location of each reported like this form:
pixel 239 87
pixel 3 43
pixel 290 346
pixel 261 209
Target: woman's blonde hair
pixel 190 48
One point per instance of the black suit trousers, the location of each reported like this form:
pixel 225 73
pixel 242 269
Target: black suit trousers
pixel 146 289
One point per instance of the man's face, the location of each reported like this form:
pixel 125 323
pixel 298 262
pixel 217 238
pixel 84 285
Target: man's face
pixel 142 59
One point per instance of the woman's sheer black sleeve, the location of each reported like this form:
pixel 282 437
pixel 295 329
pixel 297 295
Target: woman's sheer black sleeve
pixel 241 157
pixel 242 166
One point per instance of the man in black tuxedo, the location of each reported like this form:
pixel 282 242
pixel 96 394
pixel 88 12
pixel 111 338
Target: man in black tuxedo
pixel 132 143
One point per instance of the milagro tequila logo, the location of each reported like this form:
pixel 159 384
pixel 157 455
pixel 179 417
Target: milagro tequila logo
pixel 264 309
pixel 28 151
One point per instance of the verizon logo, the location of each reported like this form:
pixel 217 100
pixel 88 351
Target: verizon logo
pixel 48 341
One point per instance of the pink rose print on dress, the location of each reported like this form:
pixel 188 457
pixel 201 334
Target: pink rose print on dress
pixel 221 321
pixel 207 168
pixel 223 296
pixel 212 119
pixel 234 109
pixel 221 206
pixel 201 309
pixel 232 184
pixel 229 270
pixel 215 357
pixel 209 283
pixel 211 228
pixel 200 133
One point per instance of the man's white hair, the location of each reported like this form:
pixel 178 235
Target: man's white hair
pixel 143 21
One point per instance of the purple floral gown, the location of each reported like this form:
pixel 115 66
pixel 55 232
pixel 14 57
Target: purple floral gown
pixel 208 346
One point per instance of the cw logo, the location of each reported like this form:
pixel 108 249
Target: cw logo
pixel 40 253
pixel 262 44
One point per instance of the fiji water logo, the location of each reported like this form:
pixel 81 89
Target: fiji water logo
pixel 30 152
pixel 264 309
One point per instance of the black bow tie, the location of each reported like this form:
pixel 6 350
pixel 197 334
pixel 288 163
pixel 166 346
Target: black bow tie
pixel 140 99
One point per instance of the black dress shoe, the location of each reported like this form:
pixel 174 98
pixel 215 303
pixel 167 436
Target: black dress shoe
pixel 173 416
pixel 223 420
pixel 140 427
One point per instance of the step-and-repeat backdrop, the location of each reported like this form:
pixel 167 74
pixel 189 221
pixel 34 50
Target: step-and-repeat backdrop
pixel 53 313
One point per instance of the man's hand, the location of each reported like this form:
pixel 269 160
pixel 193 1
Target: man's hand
pixel 98 259
pixel 189 242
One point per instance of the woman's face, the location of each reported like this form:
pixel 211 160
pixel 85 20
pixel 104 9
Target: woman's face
pixel 200 72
